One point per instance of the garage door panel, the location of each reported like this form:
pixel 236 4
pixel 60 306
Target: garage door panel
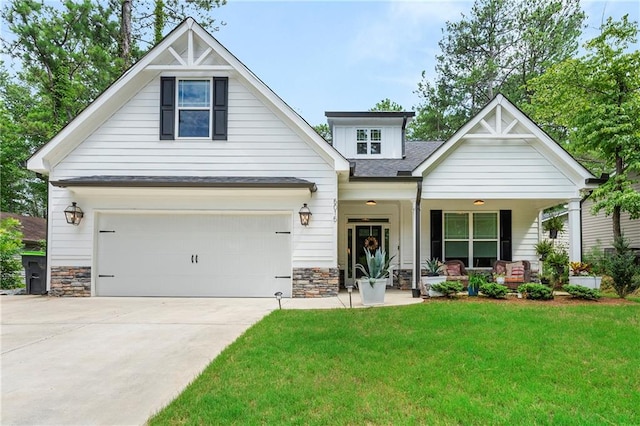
pixel 220 255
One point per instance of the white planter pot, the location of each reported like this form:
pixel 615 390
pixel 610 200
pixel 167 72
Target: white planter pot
pixel 372 295
pixel 500 280
pixel 586 281
pixel 427 282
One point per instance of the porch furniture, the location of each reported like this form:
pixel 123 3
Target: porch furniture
pixel 455 271
pixel 515 273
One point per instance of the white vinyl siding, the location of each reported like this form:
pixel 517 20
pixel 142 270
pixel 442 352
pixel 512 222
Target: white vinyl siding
pixel 260 143
pixel 345 140
pixel 498 169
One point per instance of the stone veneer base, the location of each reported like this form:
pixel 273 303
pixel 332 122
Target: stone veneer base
pixel 315 282
pixel 70 281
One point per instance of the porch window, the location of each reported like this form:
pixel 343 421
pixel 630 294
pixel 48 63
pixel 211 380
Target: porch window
pixel 471 236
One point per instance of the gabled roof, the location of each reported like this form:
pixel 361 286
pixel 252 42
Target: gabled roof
pixel 518 126
pixel 188 48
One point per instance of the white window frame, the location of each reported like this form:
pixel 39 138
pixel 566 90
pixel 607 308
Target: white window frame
pixel 191 108
pixel 368 140
pixel 470 240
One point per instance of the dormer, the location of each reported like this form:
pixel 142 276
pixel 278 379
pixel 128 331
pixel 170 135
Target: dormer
pixel 370 135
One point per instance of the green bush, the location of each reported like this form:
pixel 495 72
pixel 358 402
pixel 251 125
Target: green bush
pixel 494 291
pixel 448 288
pixel 535 291
pixel 10 248
pixel 582 292
pixel 477 280
pixel 622 268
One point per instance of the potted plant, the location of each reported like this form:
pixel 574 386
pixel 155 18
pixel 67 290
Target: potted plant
pixel 499 278
pixel 434 268
pixel 372 286
pixel 553 225
pixel 475 281
pixel 543 249
pixel 581 274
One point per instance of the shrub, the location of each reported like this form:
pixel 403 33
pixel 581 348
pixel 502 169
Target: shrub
pixel 535 291
pixel 10 248
pixel 622 268
pixel 448 288
pixel 494 291
pixel 582 292
pixel 477 280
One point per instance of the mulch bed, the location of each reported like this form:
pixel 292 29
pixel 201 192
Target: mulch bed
pixel 557 301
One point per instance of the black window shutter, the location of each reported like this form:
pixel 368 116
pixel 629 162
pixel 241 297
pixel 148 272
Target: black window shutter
pixel 436 234
pixel 505 235
pixel 220 107
pixel 167 107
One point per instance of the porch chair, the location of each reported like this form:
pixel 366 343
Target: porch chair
pixel 455 271
pixel 515 272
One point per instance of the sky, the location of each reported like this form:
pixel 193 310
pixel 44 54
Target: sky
pixel 348 55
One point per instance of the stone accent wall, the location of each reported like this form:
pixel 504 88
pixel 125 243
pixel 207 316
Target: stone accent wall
pixel 315 282
pixel 70 281
pixel 405 277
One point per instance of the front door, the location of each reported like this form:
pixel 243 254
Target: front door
pixel 372 236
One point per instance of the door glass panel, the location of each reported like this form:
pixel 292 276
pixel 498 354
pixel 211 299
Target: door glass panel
pixel 456 226
pixel 349 251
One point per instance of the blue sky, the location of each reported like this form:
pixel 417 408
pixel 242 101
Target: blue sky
pixel 345 56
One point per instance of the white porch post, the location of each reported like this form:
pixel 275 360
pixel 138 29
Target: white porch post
pixel 575 231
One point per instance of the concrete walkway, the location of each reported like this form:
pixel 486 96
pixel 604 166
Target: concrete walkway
pixel 116 361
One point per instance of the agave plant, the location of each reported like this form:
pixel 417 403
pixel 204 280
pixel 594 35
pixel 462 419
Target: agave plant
pixel 377 265
pixel 433 266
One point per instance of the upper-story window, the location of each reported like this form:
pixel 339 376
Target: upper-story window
pixel 194 108
pixel 368 141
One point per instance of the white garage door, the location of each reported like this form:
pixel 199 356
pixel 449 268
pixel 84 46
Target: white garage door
pixel 217 255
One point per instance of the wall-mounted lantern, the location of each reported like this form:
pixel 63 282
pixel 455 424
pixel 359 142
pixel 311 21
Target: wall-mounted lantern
pixel 73 214
pixel 305 215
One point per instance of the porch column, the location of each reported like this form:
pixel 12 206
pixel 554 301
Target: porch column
pixel 575 231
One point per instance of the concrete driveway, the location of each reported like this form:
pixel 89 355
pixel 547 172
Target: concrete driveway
pixel 109 361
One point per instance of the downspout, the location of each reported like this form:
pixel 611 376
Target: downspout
pixel 416 265
pixel 404 135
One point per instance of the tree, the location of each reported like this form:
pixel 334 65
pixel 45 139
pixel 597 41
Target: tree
pixel 139 17
pixel 622 268
pixel 10 248
pixel 595 99
pixel 497 49
pixel 324 131
pixel 387 105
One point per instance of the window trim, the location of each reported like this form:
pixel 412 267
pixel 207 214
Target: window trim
pixel 190 108
pixel 368 140
pixel 470 240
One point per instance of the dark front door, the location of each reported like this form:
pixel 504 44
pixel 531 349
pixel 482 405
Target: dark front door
pixel 367 236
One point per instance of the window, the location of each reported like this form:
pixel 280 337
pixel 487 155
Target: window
pixel 194 108
pixel 368 141
pixel 471 236
pixel 197 107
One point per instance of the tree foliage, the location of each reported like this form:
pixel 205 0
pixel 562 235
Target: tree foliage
pixel 324 131
pixel 622 268
pixel 498 48
pixel 10 248
pixel 387 105
pixel 65 55
pixel 592 104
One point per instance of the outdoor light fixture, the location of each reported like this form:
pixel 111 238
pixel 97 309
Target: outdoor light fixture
pixel 279 297
pixel 478 203
pixel 73 214
pixel 350 290
pixel 305 215
pixel 371 203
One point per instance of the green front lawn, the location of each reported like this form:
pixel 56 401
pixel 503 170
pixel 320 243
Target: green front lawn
pixel 435 363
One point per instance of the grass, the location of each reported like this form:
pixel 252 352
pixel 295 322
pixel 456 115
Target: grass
pixel 438 363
